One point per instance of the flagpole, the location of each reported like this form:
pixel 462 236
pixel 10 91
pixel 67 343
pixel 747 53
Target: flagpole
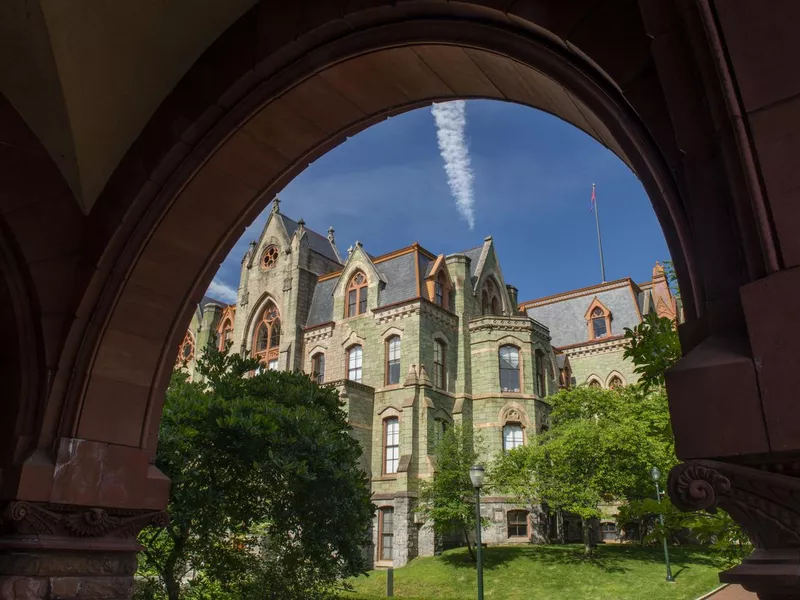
pixel 599 239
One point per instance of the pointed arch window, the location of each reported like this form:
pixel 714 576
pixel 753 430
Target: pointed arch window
pixel 509 368
pixel 318 368
pixel 594 383
pixel 491 303
pixel 598 319
pixel 356 295
pixel 615 382
pixel 393 360
pixel 225 334
pixel 186 350
pixel 267 336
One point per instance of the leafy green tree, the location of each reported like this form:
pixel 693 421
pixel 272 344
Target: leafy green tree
pixel 448 499
pixel 653 346
pixel 600 447
pixel 264 473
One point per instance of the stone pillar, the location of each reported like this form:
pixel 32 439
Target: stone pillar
pixel 426 540
pixel 57 552
pixel 405 531
pixel 766 503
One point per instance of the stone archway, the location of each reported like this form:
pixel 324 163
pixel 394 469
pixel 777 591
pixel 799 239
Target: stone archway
pixel 280 88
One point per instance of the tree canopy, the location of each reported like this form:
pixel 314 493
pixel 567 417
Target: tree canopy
pixel 267 499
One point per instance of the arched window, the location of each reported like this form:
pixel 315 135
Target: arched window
pixel 439 288
pixel 541 388
pixel 512 436
pixel 393 360
pixel 225 334
pixel 356 295
pixel 593 383
pixel 391 445
pixel 517 523
pixel 599 325
pixel 186 350
pixel 509 368
pixel 615 382
pixel 267 337
pixel 318 368
pixel 385 532
pixel 270 257
pixel 355 357
pixel 439 368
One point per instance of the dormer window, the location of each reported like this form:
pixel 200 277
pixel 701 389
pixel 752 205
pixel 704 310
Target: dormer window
pixel 438 288
pixel 270 257
pixel 356 295
pixel 598 319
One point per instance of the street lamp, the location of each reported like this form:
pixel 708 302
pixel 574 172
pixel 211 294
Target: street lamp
pixel 476 474
pixel 656 474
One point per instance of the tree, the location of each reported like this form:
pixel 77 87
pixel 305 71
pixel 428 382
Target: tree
pixel 600 448
pixel 448 499
pixel 264 473
pixel 653 346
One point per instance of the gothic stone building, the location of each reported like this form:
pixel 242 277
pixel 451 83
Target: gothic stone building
pixel 415 342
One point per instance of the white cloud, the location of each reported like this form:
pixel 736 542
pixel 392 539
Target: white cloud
pixel 220 291
pixel 451 120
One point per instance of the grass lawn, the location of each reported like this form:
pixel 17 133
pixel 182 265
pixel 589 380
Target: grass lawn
pixel 549 572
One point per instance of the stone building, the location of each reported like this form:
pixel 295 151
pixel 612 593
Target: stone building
pixel 415 342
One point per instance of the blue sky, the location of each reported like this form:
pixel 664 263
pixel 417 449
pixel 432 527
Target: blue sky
pixel 532 176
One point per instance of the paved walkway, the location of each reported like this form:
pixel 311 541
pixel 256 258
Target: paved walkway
pixel 733 592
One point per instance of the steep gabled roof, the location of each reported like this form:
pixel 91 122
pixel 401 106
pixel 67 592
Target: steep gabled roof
pixel 316 241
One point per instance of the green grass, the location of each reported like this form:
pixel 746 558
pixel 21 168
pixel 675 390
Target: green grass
pixel 549 572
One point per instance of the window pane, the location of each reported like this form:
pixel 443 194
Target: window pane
pixel 362 303
pixel 275 334
pixel 512 436
pixel 354 364
pixel 599 325
pixel 273 364
pixel 351 302
pixel 509 369
pixel 392 444
pixel 439 293
pixel 261 338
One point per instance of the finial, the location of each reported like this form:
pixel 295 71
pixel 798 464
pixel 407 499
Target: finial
pixel 301 223
pixel 349 251
pixel 330 234
pixel 276 204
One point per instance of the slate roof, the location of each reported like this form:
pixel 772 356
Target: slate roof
pixel 316 241
pixel 474 255
pixel 565 317
pixel 321 310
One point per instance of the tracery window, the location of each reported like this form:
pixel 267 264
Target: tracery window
pixel 186 350
pixel 509 368
pixel 490 299
pixel 355 358
pixel 270 257
pixel 267 337
pixel 356 295
pixel 393 360
pixel 599 324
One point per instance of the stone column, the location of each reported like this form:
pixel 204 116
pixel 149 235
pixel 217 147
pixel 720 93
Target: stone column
pixel 405 531
pixel 57 552
pixel 766 503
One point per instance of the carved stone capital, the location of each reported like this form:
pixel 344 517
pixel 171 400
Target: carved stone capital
pixel 767 507
pixel 20 517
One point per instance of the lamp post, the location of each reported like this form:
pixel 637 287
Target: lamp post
pixel 476 473
pixel 656 474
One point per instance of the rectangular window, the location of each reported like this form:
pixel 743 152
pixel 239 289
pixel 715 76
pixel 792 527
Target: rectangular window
pixel 273 364
pixel 599 326
pixel 393 360
pixel 517 523
pixel 354 361
pixel 318 368
pixel 512 436
pixel 386 527
pixel 439 293
pixel 391 444
pixel 439 373
pixel 608 532
pixel 509 369
pixel 540 383
pixel 362 301
pixel 352 296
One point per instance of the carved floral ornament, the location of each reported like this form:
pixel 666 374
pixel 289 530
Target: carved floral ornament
pixel 49 519
pixel 766 505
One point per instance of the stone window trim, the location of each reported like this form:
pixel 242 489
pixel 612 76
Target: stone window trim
pixel 382 512
pixel 491 297
pixel 269 258
pixel 392 357
pixel 265 345
pixel 354 367
pixel 388 463
pixel 501 368
pixel 356 294
pixel 518 524
pixel 318 367
pixel 186 349
pixel 513 414
pixel 598 311
pixel 594 381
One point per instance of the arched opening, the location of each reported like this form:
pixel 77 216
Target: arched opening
pixel 267 336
